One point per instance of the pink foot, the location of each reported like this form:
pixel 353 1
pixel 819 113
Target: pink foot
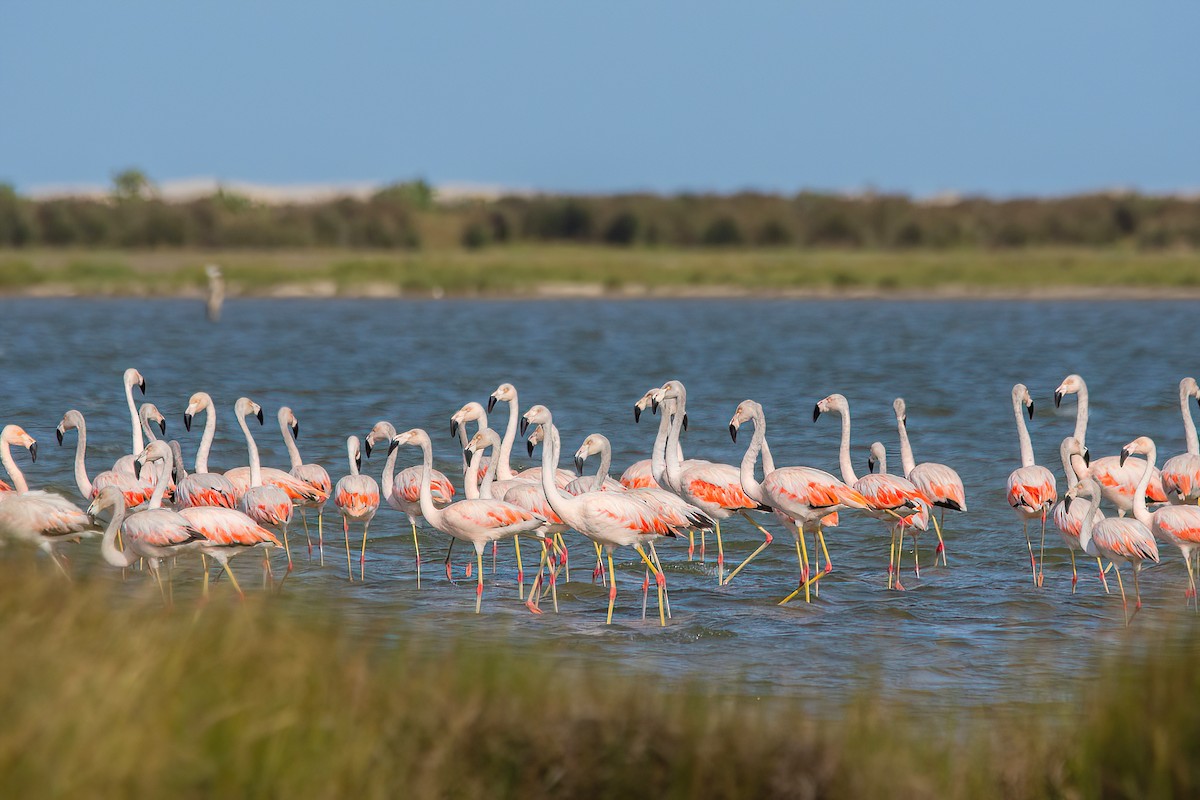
pixel 645 584
pixel 899 586
pixel 470 568
pixel 660 579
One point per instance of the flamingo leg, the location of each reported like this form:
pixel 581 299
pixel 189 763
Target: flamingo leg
pixel 449 550
pixel 204 565
pixel 1042 552
pixel 1124 602
pixel 1103 572
pixel 703 544
pixel 645 592
pixel 346 533
pixel 1137 590
pixel 824 548
pixel 564 557
pixel 495 547
pixel 1191 576
pixel 805 582
pixel 598 572
pixel 752 556
pixel 917 558
pixel 479 586
pixel 720 554
pixel 1029 544
pixel 691 544
pixel 891 557
pixel 899 558
pixel 417 547
pixel 1074 575
pixel 362 559
pixel 233 580
pixel 161 590
pixel 59 564
pixel 612 588
pixel 307 536
pixel 520 569
pixel 321 533
pixel 287 547
pixel 941 548
pixel 535 589
pixel 666 592
pixel 659 578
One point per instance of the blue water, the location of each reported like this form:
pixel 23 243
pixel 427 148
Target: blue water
pixel 975 632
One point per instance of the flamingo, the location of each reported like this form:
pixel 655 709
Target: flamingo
pixel 802 497
pixel 357 498
pixel 130 379
pixel 910 523
pixel 203 488
pixel 313 474
pixel 475 521
pixel 640 474
pixel 1116 480
pixel 594 444
pixel 1121 541
pixel 939 483
pixel 135 492
pixel 507 393
pixel 266 504
pixel 1069 518
pixel 403 491
pixel 1176 524
pixel 612 519
pixel 227 533
pixel 39 517
pixel 297 490
pixel 1032 489
pixel 714 488
pixel 890 498
pixel 1181 473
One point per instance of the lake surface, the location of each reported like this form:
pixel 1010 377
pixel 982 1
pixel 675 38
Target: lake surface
pixel 975 632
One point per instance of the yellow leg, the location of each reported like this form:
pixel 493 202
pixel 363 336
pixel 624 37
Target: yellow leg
pixel 1042 552
pixel 599 565
pixel 1124 602
pixel 1074 574
pixel 612 589
pixel 767 540
pixel 1103 571
pixel 691 544
pixel 941 548
pixel 287 547
pixel 161 590
pixel 417 547
pixel 666 592
pixel 233 580
pixel 802 557
pixel 658 579
pixel 1029 545
pixel 479 586
pixel 362 559
pixel 307 535
pixel 346 533
pixel 1191 574
pixel 520 569
pixel 720 554
pixel 565 556
pixel 204 565
pixel 321 534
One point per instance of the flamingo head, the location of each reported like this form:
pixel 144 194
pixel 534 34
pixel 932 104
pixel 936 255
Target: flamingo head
pixel 537 415
pixel 901 410
pixel 383 431
pixel 1189 388
pixel 482 440
pixel 155 451
pixel 505 392
pixel 671 390
pixel 288 420
pixel 1143 445
pixel 196 403
pixel 471 412
pixel 149 413
pixel 354 453
pixel 70 421
pixel 413 436
pixel 245 407
pixel 134 378
pixel 746 411
pixel 835 403
pixel 645 402
pixel 1071 384
pixel 108 497
pixel 1087 487
pixel 536 436
pixel 878 456
pixel 594 444
pixel 15 434
pixel 1021 395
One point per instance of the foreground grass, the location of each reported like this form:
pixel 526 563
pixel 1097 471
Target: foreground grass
pixel 104 695
pixel 525 270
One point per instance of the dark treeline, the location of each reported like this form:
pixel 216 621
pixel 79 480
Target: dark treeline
pixel 406 215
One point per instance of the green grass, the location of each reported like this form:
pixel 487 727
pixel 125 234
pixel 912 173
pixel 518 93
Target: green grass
pixel 526 270
pixel 106 694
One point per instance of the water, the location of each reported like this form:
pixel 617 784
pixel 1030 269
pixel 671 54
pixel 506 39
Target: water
pixel 976 632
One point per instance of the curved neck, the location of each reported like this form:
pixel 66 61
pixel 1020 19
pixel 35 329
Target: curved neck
pixel 255 466
pixel 504 468
pixel 160 488
pixel 147 431
pixel 1069 468
pixel 562 504
pixel 1023 433
pixel 907 462
pixel 768 461
pixel 14 473
pixel 389 473
pixel 1089 522
pixel 139 443
pixel 844 455
pixel 462 449
pixel 605 466
pixel 673 473
pixel 485 488
pixel 658 456
pixel 472 490
pixel 1140 512
pixel 290 443
pixel 428 509
pixel 81 477
pixel 883 464
pixel 1189 427
pixel 750 484
pixel 210 431
pixel 108 545
pixel 1081 414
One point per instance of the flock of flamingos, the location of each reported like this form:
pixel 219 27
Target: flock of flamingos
pixel 157 510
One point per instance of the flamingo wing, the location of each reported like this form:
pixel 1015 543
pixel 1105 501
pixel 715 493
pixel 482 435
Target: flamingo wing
pixel 1032 488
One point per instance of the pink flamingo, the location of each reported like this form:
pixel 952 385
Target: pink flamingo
pixel 38 517
pixel 1121 541
pixel 1032 489
pixel 1176 524
pixel 313 474
pixel 357 498
pixel 892 500
pixel 130 379
pixel 227 533
pixel 135 492
pixel 266 504
pixel 1068 518
pixel 474 521
pixel 402 490
pixel 910 522
pixel 939 483
pixel 1116 480
pixel 803 498
pixel 640 474
pixel 1181 473
pixel 203 488
pixel 507 393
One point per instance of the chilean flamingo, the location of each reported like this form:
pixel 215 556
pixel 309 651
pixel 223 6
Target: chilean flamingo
pixel 476 521
pixel 890 498
pixel 1116 480
pixel 507 393
pixel 266 504
pixel 1121 541
pixel 1181 473
pixel 802 497
pixel 612 519
pixel 402 490
pixel 227 533
pixel 716 489
pixel 1032 489
pixel 313 474
pixel 203 488
pixel 939 483
pixel 357 498
pixel 1068 518
pixel 135 492
pixel 640 474
pixel 911 523
pixel 132 378
pixel 1176 524
pixel 38 517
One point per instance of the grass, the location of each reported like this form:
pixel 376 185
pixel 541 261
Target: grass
pixel 106 694
pixel 530 270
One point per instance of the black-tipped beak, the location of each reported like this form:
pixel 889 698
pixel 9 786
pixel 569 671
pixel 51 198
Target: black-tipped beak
pixel 367 445
pixel 58 433
pixel 816 412
pixel 579 464
pixel 1067 502
pixel 142 386
pixel 1124 455
pixel 1058 396
pixel 637 413
pixel 162 426
pixel 870 465
pixel 733 431
pixel 654 405
pixel 1087 457
pixel 453 428
pixel 358 462
pixel 187 421
pixel 467 453
pixel 33 451
pixel 685 421
pixel 524 427
pixel 394 444
pixel 1029 408
pixel 491 403
pixel 528 446
pixel 137 469
pixel 296 430
pixel 259 417
pixel 905 419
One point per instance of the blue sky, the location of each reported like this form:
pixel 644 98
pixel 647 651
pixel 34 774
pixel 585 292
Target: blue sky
pixel 1001 98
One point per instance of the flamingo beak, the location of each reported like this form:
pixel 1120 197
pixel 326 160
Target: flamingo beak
pixel 637 413
pixel 733 431
pixel 491 403
pixel 816 412
pixel 467 453
pixel 685 421
pixel 59 433
pixel 296 431
pixel 358 462
pixel 1124 455
pixel 870 465
pixel 142 386
pixel 394 444
pixel 1058 396
pixel 1030 409
pixel 529 447
pixel 1087 457
pixel 654 405
pixel 453 428
pixel 33 451
pixel 162 426
pixel 187 421
pixel 1067 498
pixel 137 469
pixel 579 464
pixel 367 445
pixel 259 416
pixel 524 426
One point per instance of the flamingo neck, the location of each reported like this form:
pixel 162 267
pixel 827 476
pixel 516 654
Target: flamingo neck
pixel 108 545
pixel 144 422
pixel 139 443
pixel 1140 512
pixel 290 443
pixel 428 509
pixel 255 466
pixel 81 477
pixel 907 462
pixel 210 431
pixel 14 472
pixel 562 504
pixel 504 468
pixel 389 473
pixel 485 488
pixel 1089 522
pixel 160 488
pixel 1189 426
pixel 674 460
pixel 605 466
pixel 846 464
pixel 658 456
pixel 750 484
pixel 1081 414
pixel 1023 432
pixel 883 464
pixel 1069 467
pixel 768 461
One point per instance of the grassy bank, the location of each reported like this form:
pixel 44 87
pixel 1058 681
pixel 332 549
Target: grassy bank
pixel 104 694
pixel 597 270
